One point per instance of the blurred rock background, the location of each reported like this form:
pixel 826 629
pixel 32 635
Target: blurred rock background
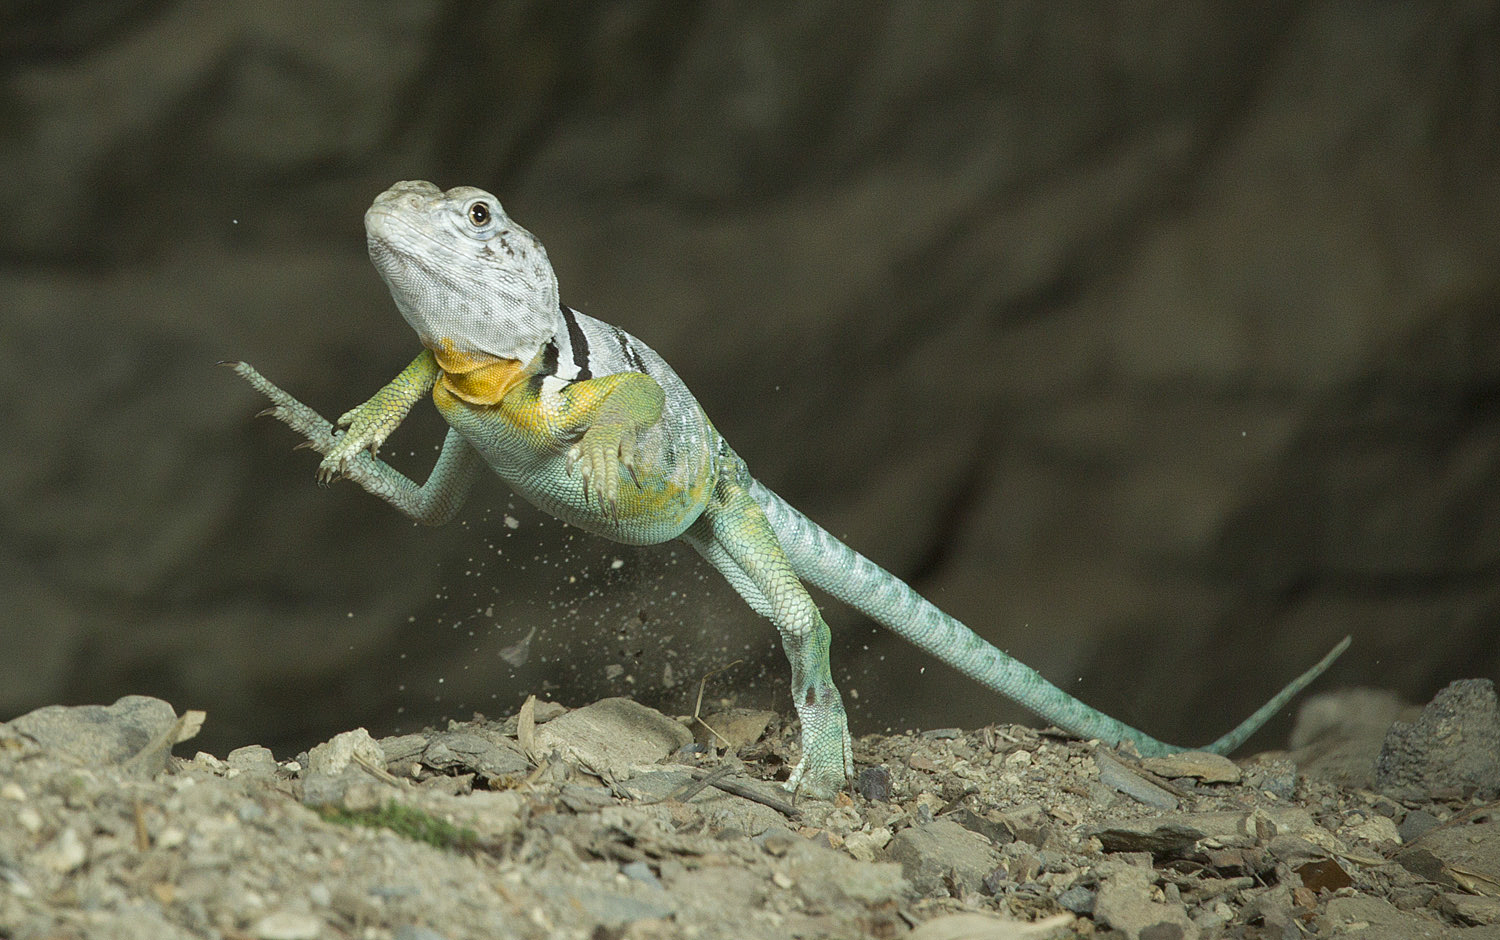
pixel 1159 343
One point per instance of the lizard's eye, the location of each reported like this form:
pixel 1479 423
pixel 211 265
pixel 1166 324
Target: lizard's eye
pixel 479 214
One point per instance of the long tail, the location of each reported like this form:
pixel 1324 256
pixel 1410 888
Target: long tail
pixel 854 579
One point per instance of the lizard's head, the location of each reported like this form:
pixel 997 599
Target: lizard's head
pixel 469 280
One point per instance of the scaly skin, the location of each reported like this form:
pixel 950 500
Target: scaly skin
pixel 593 426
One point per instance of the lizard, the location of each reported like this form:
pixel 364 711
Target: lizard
pixel 594 427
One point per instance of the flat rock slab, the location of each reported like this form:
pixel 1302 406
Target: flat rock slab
pixel 103 735
pixel 1167 835
pixel 613 736
pixel 1377 919
pixel 930 852
pixel 1125 903
pixel 1197 765
pixel 1463 856
pixel 486 753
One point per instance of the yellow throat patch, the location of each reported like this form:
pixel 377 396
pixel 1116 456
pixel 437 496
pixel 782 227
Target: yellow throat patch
pixel 476 378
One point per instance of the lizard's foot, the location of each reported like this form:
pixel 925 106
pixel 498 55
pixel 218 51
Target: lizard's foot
pixel 598 456
pixel 367 427
pixel 818 782
pixel 288 410
pixel 827 760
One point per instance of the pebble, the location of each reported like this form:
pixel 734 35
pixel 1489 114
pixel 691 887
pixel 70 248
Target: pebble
pixel 640 871
pixel 930 852
pixel 865 846
pixel 1124 903
pixel 1078 899
pixel 29 819
pixel 613 736
pixel 1275 776
pixel 735 728
pixel 970 925
pixel 1115 774
pixel 252 759
pixel 1198 765
pixel 287 925
pixel 1416 822
pixel 64 853
pixel 1464 855
pixel 334 755
pixel 874 783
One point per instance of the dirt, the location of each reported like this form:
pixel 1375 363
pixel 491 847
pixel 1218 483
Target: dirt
pixel 613 821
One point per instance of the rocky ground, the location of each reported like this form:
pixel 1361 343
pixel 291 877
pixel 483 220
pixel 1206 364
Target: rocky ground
pixel 615 821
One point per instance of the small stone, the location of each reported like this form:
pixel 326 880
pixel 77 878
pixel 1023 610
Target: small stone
pixel 990 824
pixel 1198 765
pixel 734 728
pixel 1377 830
pixel 931 851
pixel 1324 875
pixel 334 755
pixel 1025 823
pixel 1124 903
pixel 865 846
pixel 1164 836
pixel 1469 909
pixel 1459 856
pixel 640 871
pixel 1272 775
pixel 1368 916
pixel 333 776
pixel 1078 899
pixel 413 932
pixel 1416 822
pixel 1295 850
pixel 210 763
pixel 403 748
pixel 29 819
pixel 970 925
pixel 874 783
pixel 64 853
pixel 12 791
pixel 252 759
pixel 287 925
pixel 943 734
pixel 613 736
pixel 1115 774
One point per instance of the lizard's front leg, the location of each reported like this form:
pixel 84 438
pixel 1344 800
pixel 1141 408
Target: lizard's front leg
pixel 433 503
pixel 607 415
pixel 734 535
pixel 372 422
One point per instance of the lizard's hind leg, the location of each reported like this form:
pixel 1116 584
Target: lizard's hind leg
pixel 734 536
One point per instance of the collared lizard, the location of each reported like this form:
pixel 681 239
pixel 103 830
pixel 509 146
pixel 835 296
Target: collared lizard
pixel 594 427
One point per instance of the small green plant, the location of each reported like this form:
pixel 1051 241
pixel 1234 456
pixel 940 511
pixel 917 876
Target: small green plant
pixel 409 822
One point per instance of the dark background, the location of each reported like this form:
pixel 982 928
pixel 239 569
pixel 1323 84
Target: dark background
pixel 1158 342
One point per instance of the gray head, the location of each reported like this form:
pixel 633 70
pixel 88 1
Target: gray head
pixel 467 278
